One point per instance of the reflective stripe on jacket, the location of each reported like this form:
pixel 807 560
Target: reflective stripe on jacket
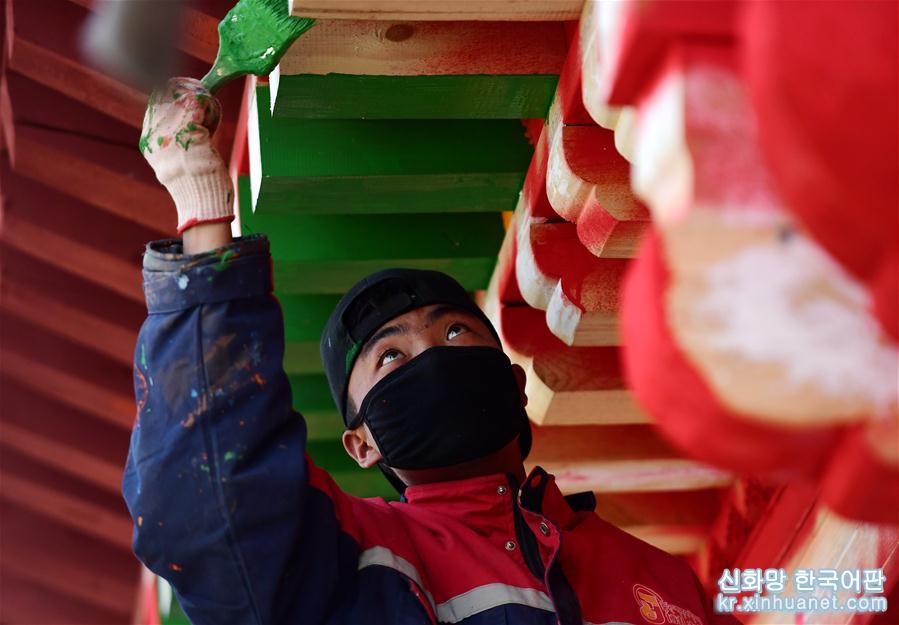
pixel 229 509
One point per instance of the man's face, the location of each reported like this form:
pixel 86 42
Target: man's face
pixel 396 343
pixel 403 338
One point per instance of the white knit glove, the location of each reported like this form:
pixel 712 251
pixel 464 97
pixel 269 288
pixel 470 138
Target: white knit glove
pixel 175 140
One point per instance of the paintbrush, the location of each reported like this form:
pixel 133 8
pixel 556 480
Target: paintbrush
pixel 253 36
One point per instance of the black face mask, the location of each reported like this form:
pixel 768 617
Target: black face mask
pixel 445 406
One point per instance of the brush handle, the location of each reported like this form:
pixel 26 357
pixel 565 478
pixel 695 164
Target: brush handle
pixel 218 76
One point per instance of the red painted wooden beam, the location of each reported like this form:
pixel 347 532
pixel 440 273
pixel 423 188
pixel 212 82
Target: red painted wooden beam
pixel 78 81
pixel 636 37
pixel 71 322
pixel 586 178
pixel 70 255
pixel 27 603
pixel 92 398
pixel 67 562
pixel 61 162
pixel 199 35
pixel 62 456
pixel 7 126
pixel 63 508
pixel 50 432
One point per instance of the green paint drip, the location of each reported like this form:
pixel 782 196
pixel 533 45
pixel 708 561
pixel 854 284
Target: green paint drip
pixel 144 143
pixel 143 356
pixel 223 261
pixel 252 38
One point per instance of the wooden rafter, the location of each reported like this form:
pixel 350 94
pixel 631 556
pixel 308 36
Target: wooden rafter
pixel 337 166
pixel 62 456
pixel 88 518
pixel 94 399
pixel 492 10
pixel 27 603
pixel 579 387
pixel 832 542
pixel 435 70
pixel 578 291
pixel 77 81
pixel 141 202
pixel 102 335
pixel 617 459
pixel 199 37
pixel 7 126
pixel 64 566
pixel 366 48
pixel 668 509
pixel 72 256
pixel 675 521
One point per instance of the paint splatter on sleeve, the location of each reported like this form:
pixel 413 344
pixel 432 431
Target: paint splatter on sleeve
pixel 216 478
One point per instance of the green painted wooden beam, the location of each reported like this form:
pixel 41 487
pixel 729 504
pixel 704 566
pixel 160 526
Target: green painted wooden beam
pixel 348 475
pixel 312 397
pixel 327 254
pixel 304 319
pixel 345 96
pixel 302 357
pixel 385 166
pixel 313 400
pixel 305 315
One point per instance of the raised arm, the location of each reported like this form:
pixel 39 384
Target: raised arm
pixel 178 125
pixel 216 479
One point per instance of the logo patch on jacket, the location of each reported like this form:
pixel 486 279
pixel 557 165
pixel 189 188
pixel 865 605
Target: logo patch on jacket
pixel 657 611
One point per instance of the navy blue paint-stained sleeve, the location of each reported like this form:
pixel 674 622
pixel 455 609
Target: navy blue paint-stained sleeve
pixel 216 480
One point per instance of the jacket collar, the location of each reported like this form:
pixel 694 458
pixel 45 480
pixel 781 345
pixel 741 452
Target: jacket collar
pixel 484 494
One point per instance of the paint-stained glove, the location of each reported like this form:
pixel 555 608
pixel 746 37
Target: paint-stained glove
pixel 176 141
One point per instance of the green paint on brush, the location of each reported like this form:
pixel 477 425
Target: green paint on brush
pixel 252 38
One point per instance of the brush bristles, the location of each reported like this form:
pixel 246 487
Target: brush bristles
pixel 293 26
pixel 252 38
